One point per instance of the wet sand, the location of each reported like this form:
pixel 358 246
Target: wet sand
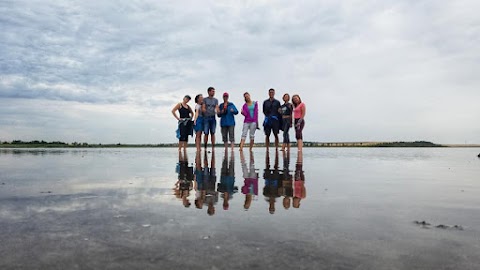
pixel 125 209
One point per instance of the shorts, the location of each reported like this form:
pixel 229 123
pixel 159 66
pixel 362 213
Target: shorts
pixel 209 125
pixel 274 125
pixel 249 128
pixel 228 134
pixel 199 126
pixel 299 129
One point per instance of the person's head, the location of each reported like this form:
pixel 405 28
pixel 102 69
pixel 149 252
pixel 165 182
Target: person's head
pixel 286 202
pixel 211 209
pixel 271 93
pixel 186 99
pixel 225 96
pixel 248 201
pixel 211 91
pixel 199 203
pixel 246 96
pixel 286 97
pixel 296 100
pixel 296 202
pixel 199 99
pixel 271 207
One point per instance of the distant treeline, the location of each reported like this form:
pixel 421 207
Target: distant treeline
pixel 58 144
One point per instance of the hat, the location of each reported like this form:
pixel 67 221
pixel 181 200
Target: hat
pixel 187 96
pixel 225 94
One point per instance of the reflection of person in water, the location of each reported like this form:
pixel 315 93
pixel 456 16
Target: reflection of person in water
pixel 250 185
pixel 272 182
pixel 209 180
pixel 287 181
pixel 185 179
pixel 227 179
pixel 299 191
pixel 199 183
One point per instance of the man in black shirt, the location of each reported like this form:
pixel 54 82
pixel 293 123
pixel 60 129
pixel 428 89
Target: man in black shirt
pixel 271 111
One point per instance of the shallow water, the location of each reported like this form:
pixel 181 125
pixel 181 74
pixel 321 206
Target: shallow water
pixel 330 208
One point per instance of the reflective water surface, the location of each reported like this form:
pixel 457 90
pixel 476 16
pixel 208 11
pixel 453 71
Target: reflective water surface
pixel 328 208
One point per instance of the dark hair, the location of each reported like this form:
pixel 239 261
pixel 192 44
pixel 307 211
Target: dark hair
pixel 197 97
pixel 210 89
pixel 299 100
pixel 246 93
pixel 271 89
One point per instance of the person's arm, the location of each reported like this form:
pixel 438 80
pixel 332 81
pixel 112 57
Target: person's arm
pixel 174 111
pixel 204 107
pixel 255 114
pixel 265 108
pixel 243 110
pixel 217 109
pixel 304 111
pixel 191 112
pixel 197 112
pixel 234 109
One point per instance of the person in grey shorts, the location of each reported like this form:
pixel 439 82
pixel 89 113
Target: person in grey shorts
pixel 227 112
pixel 250 124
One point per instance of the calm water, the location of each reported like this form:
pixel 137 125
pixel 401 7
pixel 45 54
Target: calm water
pixel 330 208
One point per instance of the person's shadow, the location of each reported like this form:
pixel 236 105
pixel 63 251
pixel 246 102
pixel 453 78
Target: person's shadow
pixel 184 183
pixel 227 179
pixel 273 185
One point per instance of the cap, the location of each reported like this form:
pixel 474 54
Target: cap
pixel 225 94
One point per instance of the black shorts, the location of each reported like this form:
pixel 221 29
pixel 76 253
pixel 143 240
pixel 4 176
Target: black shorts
pixel 274 126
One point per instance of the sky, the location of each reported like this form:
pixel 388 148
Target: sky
pixel 111 71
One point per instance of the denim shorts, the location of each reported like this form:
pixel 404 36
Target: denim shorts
pixel 209 125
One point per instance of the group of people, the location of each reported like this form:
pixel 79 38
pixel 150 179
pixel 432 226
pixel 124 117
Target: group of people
pixel 280 183
pixel 203 119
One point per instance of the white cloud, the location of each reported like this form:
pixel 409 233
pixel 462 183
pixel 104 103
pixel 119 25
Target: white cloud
pixel 368 70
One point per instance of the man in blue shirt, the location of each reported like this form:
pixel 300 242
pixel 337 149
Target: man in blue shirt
pixel 271 123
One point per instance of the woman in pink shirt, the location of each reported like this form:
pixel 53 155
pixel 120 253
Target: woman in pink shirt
pixel 299 111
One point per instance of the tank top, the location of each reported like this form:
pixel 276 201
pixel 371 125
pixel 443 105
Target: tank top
pixel 286 109
pixel 184 112
pixel 298 110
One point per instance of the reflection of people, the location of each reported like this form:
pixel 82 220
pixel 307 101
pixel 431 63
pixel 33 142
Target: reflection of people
pixel 210 180
pixel 250 184
pixel 287 183
pixel 299 191
pixel 199 183
pixel 210 110
pixel 272 118
pixel 185 178
pixel 299 111
pixel 227 112
pixel 272 182
pixel 250 124
pixel 185 123
pixel 227 179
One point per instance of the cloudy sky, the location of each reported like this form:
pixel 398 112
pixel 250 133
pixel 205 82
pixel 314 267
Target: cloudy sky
pixel 369 70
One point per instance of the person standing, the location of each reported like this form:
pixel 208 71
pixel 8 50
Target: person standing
pixel 299 111
pixel 210 110
pixel 250 124
pixel 185 123
pixel 198 121
pixel 272 118
pixel 286 110
pixel 227 112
